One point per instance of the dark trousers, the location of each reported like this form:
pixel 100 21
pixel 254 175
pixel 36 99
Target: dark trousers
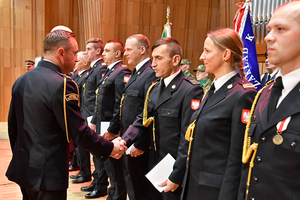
pixel 85 162
pixel 29 194
pixel 134 169
pixel 114 171
pixel 99 174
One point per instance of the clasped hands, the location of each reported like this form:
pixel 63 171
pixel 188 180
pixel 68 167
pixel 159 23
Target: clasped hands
pixel 119 148
pixel 119 144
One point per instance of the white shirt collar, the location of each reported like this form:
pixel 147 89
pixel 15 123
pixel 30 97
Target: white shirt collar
pixel 79 73
pixel 289 81
pixel 49 61
pixel 170 78
pixel 271 75
pixel 113 64
pixel 92 63
pixel 138 67
pixel 222 80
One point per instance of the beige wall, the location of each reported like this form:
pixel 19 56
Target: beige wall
pixel 24 24
pixel 21 30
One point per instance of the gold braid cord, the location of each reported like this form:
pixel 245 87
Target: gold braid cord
pixel 147 121
pixel 65 111
pixel 190 133
pixel 121 105
pixel 248 149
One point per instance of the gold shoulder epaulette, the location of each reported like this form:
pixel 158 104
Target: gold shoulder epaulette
pixel 248 85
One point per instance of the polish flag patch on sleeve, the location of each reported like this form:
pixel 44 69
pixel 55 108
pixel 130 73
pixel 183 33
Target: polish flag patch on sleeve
pixel 195 104
pixel 245 116
pixel 126 79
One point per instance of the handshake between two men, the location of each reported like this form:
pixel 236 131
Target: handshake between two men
pixel 119 148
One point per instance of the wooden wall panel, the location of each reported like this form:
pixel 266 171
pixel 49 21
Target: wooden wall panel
pixel 24 24
pixel 21 39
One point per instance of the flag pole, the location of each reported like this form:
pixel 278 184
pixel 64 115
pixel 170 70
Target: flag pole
pixel 167 26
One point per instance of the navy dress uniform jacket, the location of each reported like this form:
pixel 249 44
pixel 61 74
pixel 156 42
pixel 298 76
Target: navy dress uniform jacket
pixel 134 96
pixel 37 129
pixel 134 93
pixel 93 78
pixel 108 97
pixel 216 152
pixel 172 111
pixel 80 80
pixel 276 173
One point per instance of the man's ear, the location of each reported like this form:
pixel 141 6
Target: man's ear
pixel 143 50
pixel 60 53
pixel 176 60
pixel 98 51
pixel 118 54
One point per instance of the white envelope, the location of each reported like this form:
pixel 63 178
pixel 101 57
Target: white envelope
pixel 161 172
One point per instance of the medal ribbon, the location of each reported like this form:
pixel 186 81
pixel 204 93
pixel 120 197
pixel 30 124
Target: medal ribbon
pixel 282 126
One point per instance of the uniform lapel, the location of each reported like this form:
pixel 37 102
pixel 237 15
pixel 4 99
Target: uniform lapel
pixel 263 106
pixel 221 93
pixel 138 73
pixel 288 107
pixel 169 90
pixel 106 75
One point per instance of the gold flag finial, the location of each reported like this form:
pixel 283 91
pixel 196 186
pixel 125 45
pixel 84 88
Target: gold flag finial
pixel 168 13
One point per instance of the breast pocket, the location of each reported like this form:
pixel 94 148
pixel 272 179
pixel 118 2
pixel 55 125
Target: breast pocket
pixel 91 79
pixel 170 119
pixel 133 93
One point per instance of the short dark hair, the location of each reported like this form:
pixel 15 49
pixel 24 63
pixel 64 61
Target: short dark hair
pixel 118 46
pixel 173 46
pixel 97 43
pixel 57 38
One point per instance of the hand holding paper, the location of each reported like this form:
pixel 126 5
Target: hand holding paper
pixel 135 152
pixel 160 173
pixel 170 186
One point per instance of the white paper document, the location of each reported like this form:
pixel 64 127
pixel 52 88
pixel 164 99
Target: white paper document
pixel 129 149
pixel 104 126
pixel 161 172
pixel 89 119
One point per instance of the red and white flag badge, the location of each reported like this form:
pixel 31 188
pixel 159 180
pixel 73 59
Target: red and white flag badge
pixel 195 104
pixel 126 79
pixel 245 116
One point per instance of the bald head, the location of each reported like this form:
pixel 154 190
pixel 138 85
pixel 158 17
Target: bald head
pixel 283 38
pixel 292 8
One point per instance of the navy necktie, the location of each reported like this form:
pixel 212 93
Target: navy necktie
pixel 162 86
pixel 274 96
pixel 211 91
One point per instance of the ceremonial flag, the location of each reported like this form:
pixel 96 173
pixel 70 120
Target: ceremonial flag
pixel 243 25
pixel 167 26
